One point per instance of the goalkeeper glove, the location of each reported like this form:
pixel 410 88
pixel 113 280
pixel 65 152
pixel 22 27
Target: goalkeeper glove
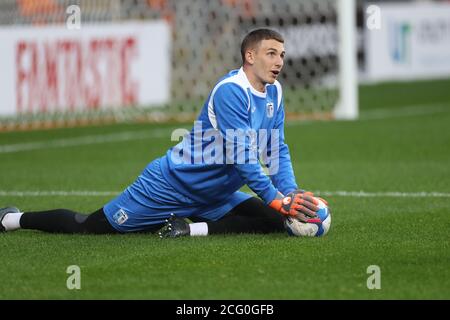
pixel 298 204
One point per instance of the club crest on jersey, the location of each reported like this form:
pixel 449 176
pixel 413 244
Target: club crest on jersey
pixel 269 109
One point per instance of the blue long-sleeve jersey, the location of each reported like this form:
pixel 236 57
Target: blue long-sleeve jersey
pixel 238 130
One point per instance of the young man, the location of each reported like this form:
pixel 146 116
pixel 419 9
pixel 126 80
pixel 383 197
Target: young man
pixel 241 124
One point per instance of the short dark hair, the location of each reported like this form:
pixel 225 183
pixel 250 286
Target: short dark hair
pixel 253 38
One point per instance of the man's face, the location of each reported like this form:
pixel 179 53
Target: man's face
pixel 268 60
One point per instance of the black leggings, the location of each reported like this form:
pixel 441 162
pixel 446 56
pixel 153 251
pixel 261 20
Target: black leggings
pixel 66 221
pixel 251 216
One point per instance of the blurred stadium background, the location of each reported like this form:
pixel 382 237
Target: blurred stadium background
pixel 137 69
pixel 200 43
pixel 140 60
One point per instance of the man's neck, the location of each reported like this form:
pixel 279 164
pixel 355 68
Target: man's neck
pixel 254 82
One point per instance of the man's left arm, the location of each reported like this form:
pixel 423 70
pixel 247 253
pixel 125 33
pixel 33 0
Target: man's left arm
pixel 279 159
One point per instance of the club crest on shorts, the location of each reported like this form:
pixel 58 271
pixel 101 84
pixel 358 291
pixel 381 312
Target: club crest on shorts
pixel 269 109
pixel 120 217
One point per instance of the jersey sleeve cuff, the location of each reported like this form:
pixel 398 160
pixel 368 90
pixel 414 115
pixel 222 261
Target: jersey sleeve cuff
pixel 270 195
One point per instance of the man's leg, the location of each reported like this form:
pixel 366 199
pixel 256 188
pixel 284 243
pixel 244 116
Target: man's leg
pixel 58 221
pixel 250 216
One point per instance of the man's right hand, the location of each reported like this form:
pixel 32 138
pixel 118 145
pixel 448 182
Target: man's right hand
pixel 298 204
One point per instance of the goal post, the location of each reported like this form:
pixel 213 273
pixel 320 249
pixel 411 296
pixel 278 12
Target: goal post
pixel 347 105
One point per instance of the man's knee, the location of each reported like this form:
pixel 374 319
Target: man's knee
pixel 80 218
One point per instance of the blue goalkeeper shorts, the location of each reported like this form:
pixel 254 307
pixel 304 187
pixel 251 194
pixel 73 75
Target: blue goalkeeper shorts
pixel 150 200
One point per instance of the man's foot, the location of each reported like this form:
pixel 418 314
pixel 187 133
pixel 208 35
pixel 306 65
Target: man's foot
pixel 174 228
pixel 4 212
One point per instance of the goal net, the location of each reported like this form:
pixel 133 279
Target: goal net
pixel 318 76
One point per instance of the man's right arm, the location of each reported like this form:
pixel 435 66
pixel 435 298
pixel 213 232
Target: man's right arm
pixel 230 104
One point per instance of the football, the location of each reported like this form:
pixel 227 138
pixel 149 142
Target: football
pixel 297 228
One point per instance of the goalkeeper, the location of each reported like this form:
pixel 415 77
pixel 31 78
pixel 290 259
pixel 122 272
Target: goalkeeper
pixel 187 184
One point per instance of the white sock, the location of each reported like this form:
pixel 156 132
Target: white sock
pixel 199 229
pixel 11 221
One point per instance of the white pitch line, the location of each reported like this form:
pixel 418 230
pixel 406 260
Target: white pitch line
pixel 355 194
pixel 86 140
pixel 375 114
pixel 392 194
pixel 387 113
pixel 73 193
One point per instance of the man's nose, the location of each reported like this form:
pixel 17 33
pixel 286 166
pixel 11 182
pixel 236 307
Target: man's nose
pixel 279 62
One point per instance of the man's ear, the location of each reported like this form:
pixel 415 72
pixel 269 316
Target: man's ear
pixel 250 56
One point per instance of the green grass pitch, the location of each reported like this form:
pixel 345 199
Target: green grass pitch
pixel 400 144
